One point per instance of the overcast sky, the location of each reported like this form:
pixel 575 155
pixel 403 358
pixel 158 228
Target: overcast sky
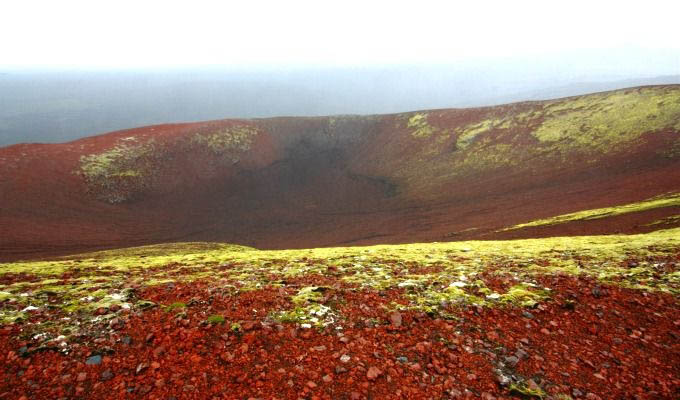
pixel 150 34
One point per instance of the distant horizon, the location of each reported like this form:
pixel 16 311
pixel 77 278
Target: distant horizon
pixel 52 107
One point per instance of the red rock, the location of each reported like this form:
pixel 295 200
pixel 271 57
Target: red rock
pixel 373 373
pixel 311 384
pixel 158 351
pixel 82 376
pixel 116 323
pixel 249 326
pixel 395 319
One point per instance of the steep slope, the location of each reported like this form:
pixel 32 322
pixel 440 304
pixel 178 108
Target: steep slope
pixel 304 182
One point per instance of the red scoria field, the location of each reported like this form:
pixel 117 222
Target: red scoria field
pixel 525 251
pixel 580 317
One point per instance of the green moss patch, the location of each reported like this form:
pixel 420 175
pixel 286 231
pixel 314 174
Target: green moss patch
pixel 215 319
pixel 600 122
pixel 420 127
pixel 228 141
pixel 118 174
pixel 669 200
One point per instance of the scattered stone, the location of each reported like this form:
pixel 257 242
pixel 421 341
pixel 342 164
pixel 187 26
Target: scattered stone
pixel 327 379
pixel 521 354
pixel 340 370
pixel 141 367
pixel 345 358
pixel 94 360
pixel 402 359
pixel 158 351
pixel 395 319
pixel 527 314
pixel 502 379
pixel 596 291
pixel 107 375
pixel 576 393
pixel 373 373
pixel 311 385
pixel 116 323
pixel 126 340
pixel 249 326
pixel 145 389
pixel 81 377
pixel 511 361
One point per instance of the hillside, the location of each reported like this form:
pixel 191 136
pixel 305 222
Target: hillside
pixel 563 318
pixel 434 175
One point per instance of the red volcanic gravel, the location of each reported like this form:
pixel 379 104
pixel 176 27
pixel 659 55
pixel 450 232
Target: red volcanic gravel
pixel 588 341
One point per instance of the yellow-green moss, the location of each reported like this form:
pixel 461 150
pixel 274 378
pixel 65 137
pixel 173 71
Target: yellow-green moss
pixel 307 295
pixel 601 122
pixel 420 126
pixel 573 131
pixel 523 389
pixel 432 275
pixel 523 295
pixel 673 219
pixel 468 133
pixel 117 174
pixel 229 141
pixel 669 200
pixel 215 319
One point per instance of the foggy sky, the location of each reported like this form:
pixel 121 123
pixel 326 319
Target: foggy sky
pixel 75 68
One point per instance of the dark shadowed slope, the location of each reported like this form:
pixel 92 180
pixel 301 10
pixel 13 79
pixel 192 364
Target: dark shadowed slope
pixel 302 182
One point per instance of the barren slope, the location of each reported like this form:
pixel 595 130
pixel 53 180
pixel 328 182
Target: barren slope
pixel 308 182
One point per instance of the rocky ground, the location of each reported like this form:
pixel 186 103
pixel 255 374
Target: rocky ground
pixel 582 317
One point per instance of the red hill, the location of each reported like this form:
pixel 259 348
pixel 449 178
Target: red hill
pixel 301 182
